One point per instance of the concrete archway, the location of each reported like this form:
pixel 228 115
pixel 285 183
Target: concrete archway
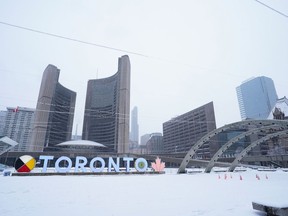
pixel 218 154
pixel 6 144
pixel 253 145
pixel 206 138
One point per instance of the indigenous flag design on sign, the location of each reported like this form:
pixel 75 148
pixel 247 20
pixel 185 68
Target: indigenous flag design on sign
pixel 25 163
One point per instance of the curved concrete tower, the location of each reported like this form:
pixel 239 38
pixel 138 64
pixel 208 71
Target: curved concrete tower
pixel 54 112
pixel 106 117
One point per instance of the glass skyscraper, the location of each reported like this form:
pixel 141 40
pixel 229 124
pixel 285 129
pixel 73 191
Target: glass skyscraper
pixel 256 98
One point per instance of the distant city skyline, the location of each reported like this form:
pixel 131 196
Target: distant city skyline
pixel 185 55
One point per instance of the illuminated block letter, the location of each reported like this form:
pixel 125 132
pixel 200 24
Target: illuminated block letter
pixel 112 163
pixel 141 165
pixel 94 169
pixel 80 165
pixel 128 159
pixel 46 158
pixel 64 169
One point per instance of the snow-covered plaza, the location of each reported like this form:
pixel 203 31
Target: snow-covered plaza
pixel 143 195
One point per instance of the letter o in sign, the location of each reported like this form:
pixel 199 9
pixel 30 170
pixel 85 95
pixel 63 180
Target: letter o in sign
pixel 141 165
pixel 63 169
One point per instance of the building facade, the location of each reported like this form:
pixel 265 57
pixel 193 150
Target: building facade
pixel 155 144
pixel 256 98
pixel 238 146
pixel 2 121
pixel 180 133
pixel 106 117
pixel 280 110
pixel 18 125
pixel 54 112
pixel 134 134
pixel 144 139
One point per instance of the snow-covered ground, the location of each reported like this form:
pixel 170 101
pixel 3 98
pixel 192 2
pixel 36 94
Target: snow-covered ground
pixel 143 195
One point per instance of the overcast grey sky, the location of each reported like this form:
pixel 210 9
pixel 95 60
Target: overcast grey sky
pixel 196 51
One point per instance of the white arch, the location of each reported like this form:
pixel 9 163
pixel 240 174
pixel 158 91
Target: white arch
pixel 236 139
pixel 6 144
pixel 213 133
pixel 253 145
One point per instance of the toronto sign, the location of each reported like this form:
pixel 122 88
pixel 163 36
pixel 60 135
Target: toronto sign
pixel 26 163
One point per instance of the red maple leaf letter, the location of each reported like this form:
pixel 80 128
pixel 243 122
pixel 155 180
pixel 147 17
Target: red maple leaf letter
pixel 158 166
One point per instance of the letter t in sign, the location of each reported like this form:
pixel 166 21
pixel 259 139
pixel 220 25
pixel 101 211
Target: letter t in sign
pixel 128 159
pixel 45 163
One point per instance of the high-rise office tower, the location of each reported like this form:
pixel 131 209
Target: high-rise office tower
pixel 18 125
pixel 134 134
pixel 182 132
pixel 54 113
pixel 256 98
pixel 106 117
